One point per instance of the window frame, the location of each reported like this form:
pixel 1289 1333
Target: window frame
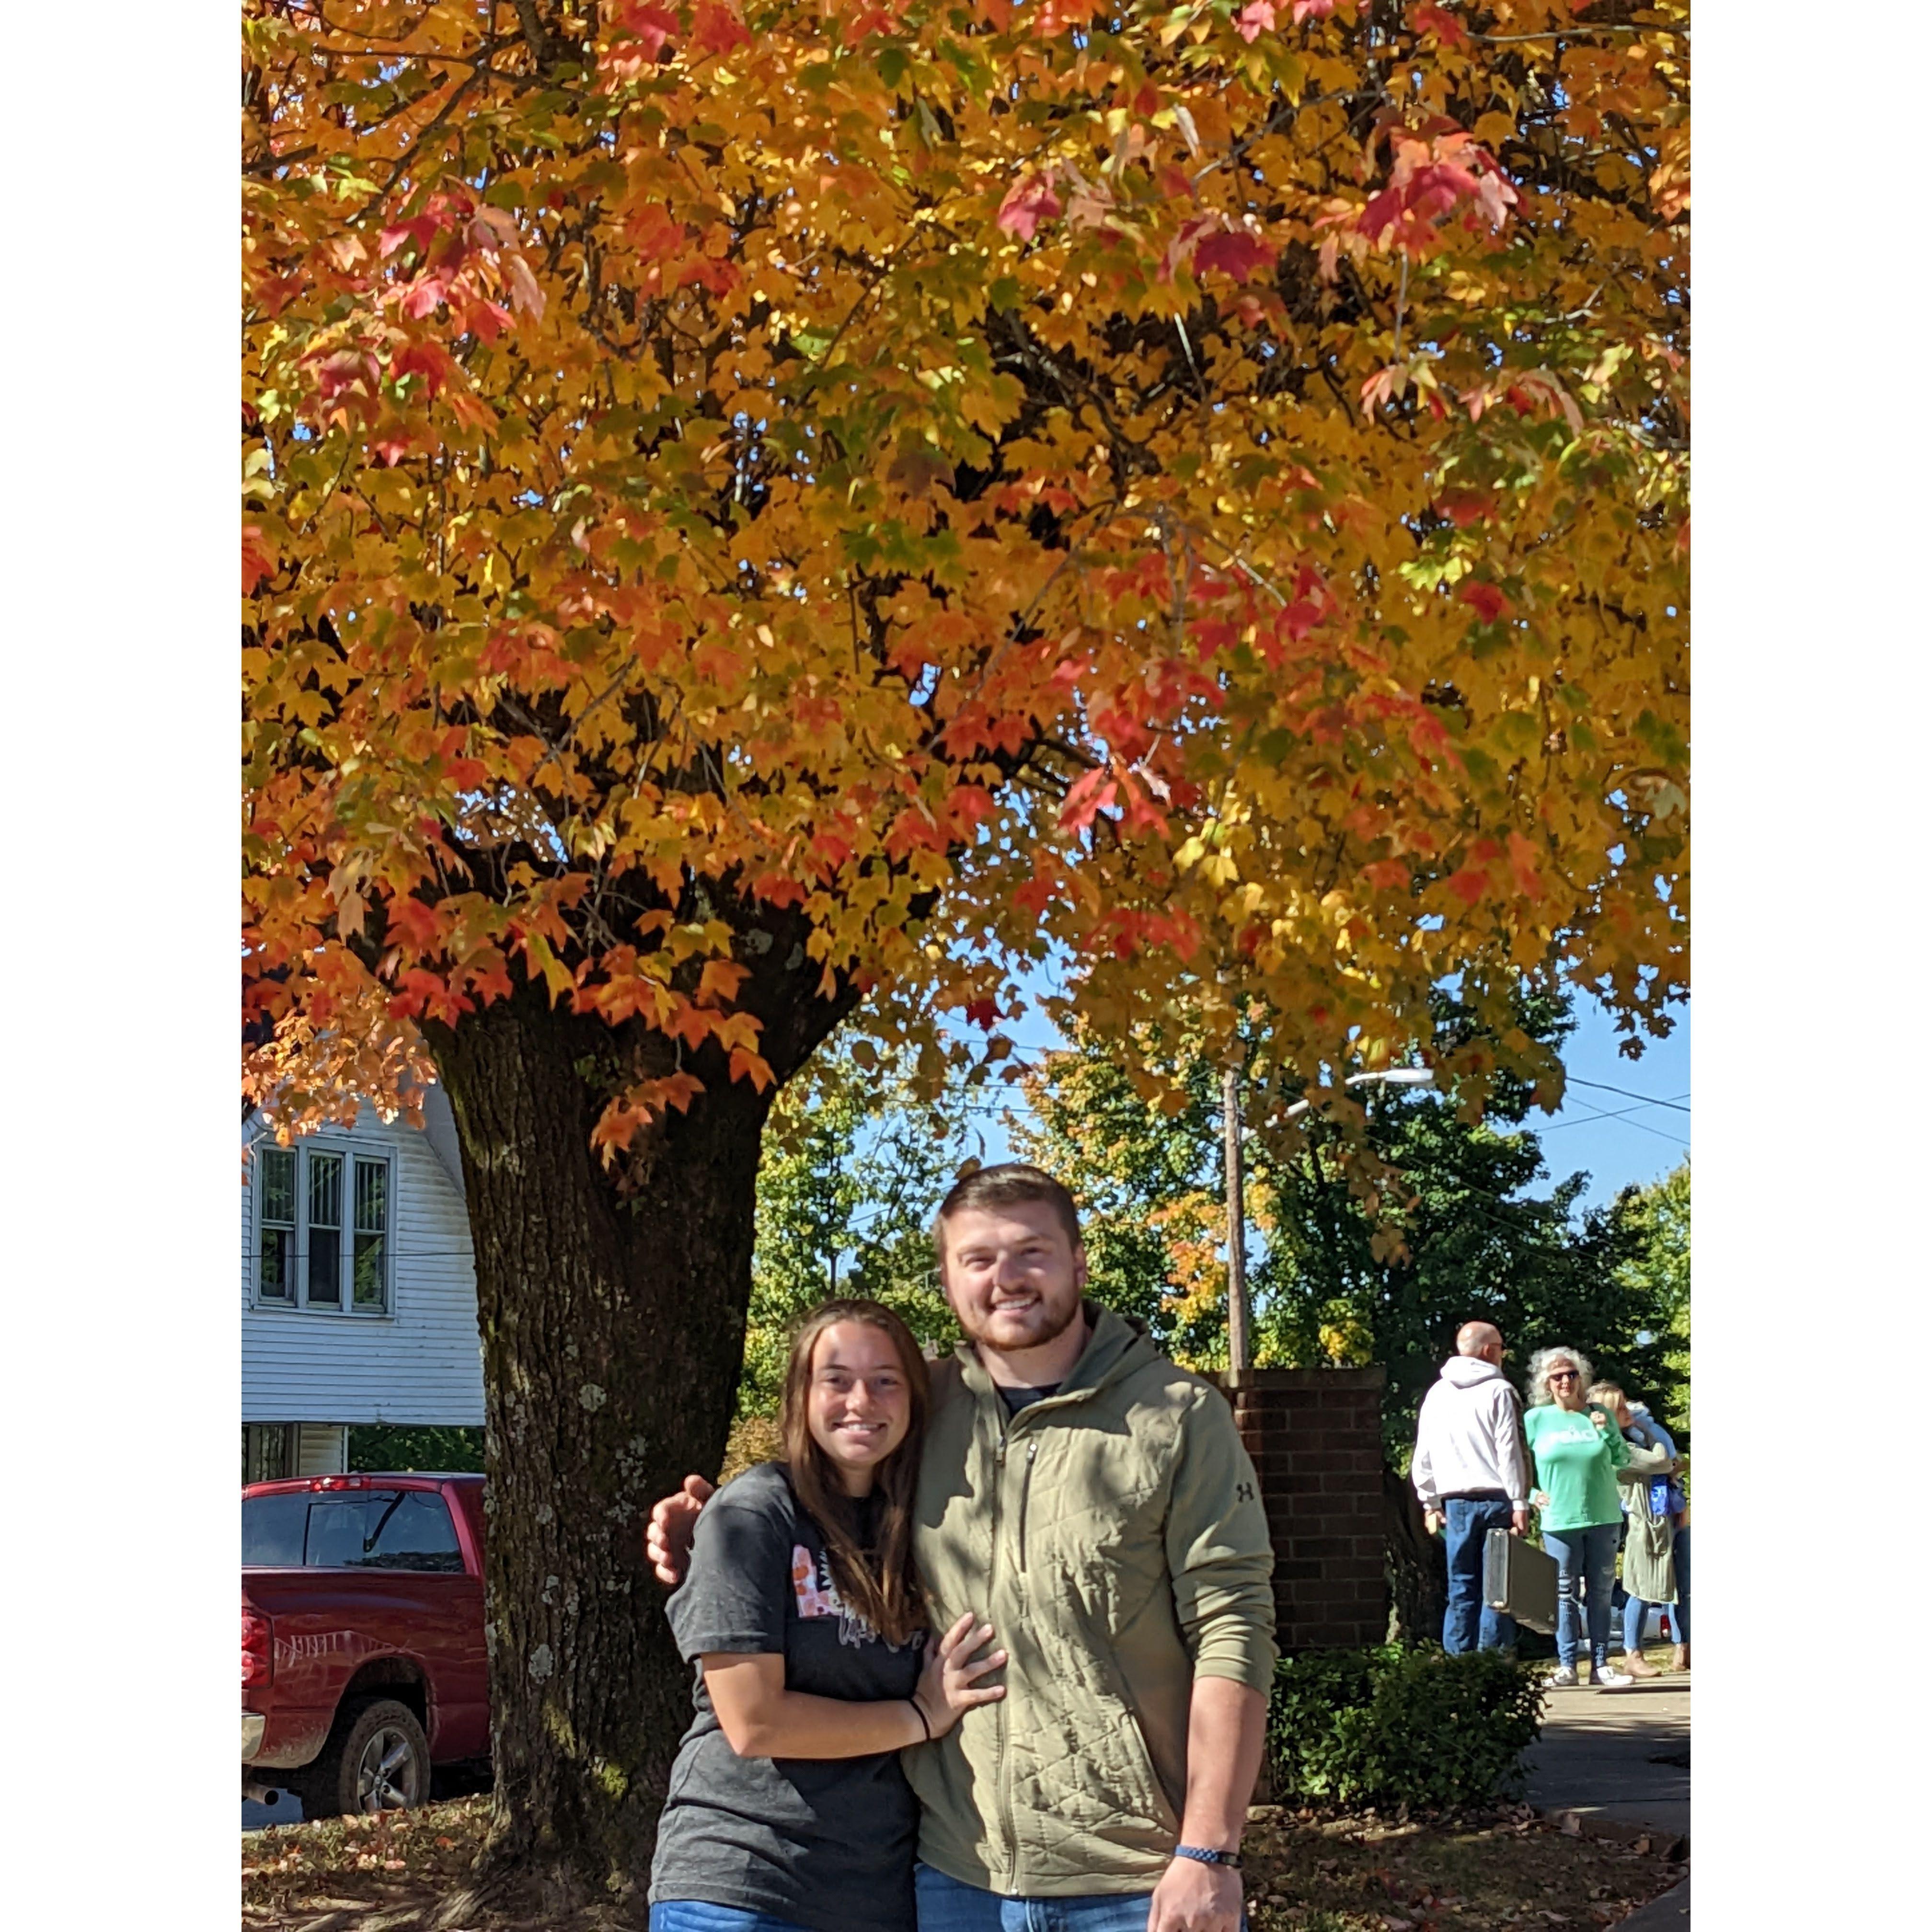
pixel 353 1155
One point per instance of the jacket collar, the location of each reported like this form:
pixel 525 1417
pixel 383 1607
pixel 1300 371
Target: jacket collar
pixel 1117 1344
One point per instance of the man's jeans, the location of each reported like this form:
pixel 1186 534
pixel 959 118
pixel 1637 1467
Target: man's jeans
pixel 945 1905
pixel 1586 1560
pixel 1468 1623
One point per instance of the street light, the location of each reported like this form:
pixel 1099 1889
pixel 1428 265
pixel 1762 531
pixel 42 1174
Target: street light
pixel 1237 1229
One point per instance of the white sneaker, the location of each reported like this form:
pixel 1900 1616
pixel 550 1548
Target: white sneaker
pixel 1609 1678
pixel 1563 1678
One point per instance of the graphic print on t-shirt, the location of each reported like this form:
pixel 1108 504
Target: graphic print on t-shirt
pixel 813 1594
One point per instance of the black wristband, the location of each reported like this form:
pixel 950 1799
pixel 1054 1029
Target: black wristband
pixel 1201 1854
pixel 924 1723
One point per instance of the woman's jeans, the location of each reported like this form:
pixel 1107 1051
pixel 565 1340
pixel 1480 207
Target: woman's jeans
pixel 1680 1561
pixel 1586 1563
pixel 1634 1612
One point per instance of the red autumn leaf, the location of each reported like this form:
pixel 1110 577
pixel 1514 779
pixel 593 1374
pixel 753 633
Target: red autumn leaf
pixel 648 24
pixel 258 559
pixel 1469 884
pixel 718 29
pixel 1235 253
pixel 1029 202
pixel 1445 27
pixel 1464 507
pixel 1486 600
pixel 1254 19
pixel 981 1013
pixel 1312 10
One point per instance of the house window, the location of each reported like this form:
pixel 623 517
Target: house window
pixel 322 1217
pixel 275 1275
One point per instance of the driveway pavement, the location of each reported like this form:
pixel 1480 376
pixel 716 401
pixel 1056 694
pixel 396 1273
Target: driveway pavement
pixel 1600 1751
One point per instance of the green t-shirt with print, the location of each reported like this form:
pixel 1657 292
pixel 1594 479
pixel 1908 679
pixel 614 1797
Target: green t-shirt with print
pixel 1576 1463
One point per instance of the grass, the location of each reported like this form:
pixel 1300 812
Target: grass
pixel 1506 1871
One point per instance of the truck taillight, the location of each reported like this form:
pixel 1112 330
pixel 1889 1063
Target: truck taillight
pixel 258 1649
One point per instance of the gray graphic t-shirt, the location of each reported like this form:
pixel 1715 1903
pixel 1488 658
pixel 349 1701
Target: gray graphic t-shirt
pixel 826 1843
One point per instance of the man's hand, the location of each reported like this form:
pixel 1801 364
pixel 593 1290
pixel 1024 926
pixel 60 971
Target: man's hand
pixel 1432 1521
pixel 1520 1522
pixel 1194 1897
pixel 667 1541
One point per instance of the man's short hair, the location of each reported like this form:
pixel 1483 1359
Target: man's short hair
pixel 1006 1185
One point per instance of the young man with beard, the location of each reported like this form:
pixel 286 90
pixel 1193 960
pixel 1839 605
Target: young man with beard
pixel 1093 1503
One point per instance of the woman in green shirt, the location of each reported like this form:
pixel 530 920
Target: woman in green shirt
pixel 1578 1451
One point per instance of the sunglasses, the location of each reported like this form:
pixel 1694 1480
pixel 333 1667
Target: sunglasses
pixel 1561 1376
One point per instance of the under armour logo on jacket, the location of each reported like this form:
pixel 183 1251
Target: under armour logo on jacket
pixel 1244 1492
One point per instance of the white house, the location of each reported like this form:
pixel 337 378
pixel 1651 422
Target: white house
pixel 358 1289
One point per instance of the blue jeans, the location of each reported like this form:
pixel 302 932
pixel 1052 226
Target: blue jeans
pixel 1634 1612
pixel 1680 1561
pixel 1586 1565
pixel 683 1915
pixel 945 1905
pixel 1468 1623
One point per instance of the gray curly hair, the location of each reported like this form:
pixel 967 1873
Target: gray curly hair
pixel 1544 1360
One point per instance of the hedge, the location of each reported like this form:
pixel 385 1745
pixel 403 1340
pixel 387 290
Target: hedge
pixel 1391 1727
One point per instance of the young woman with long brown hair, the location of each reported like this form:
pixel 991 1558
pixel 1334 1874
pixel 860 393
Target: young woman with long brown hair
pixel 787 1810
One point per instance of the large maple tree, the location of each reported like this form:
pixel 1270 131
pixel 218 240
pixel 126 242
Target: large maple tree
pixel 757 513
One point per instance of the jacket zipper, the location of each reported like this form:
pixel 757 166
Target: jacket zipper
pixel 1026 1483
pixel 1005 1779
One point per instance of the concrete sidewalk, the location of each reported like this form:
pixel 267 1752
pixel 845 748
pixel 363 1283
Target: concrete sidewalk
pixel 1598 1755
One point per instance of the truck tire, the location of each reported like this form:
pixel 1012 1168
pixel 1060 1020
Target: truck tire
pixel 377 1759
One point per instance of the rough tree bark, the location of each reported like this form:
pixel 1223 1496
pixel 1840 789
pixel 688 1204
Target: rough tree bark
pixel 612 1304
pixel 1417 1573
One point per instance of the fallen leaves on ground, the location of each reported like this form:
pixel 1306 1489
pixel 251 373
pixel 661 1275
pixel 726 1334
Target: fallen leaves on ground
pixel 1506 1871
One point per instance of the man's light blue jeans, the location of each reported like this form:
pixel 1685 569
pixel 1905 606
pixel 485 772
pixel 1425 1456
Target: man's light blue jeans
pixel 1468 1623
pixel 945 1905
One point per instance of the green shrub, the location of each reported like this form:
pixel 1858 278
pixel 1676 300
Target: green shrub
pixel 1393 1727
pixel 391 1445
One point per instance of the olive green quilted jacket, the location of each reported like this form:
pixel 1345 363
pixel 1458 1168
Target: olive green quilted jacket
pixel 1113 1535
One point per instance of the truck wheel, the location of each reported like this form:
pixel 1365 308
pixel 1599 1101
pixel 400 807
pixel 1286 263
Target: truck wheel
pixel 377 1759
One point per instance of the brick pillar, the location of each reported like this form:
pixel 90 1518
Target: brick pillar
pixel 1316 1436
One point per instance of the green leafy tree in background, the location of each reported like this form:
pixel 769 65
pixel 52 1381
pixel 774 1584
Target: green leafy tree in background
pixel 853 1165
pixel 1660 1270
pixel 1348 1274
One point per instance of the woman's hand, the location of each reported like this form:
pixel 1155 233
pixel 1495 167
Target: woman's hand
pixel 948 1686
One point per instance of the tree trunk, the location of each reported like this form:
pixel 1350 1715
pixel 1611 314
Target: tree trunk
pixel 612 1303
pixel 1418 1572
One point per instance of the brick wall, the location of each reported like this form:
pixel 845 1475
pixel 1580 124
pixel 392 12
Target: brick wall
pixel 1315 1437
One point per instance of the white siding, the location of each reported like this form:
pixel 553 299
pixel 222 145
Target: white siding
pixel 423 1362
pixel 322 1450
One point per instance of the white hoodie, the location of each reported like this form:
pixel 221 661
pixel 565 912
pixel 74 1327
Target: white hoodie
pixel 1469 1436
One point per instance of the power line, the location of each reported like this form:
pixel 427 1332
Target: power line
pixel 1649 1099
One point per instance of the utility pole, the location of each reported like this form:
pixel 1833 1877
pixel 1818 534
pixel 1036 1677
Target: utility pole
pixel 1238 1351
pixel 1238 1225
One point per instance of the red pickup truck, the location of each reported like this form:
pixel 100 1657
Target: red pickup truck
pixel 363 1661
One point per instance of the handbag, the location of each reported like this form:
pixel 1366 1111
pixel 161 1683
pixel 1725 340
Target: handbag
pixel 1519 1580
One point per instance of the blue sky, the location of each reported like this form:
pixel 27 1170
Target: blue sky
pixel 1617 1138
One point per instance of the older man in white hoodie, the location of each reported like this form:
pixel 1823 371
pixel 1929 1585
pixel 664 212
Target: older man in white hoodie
pixel 1472 1475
